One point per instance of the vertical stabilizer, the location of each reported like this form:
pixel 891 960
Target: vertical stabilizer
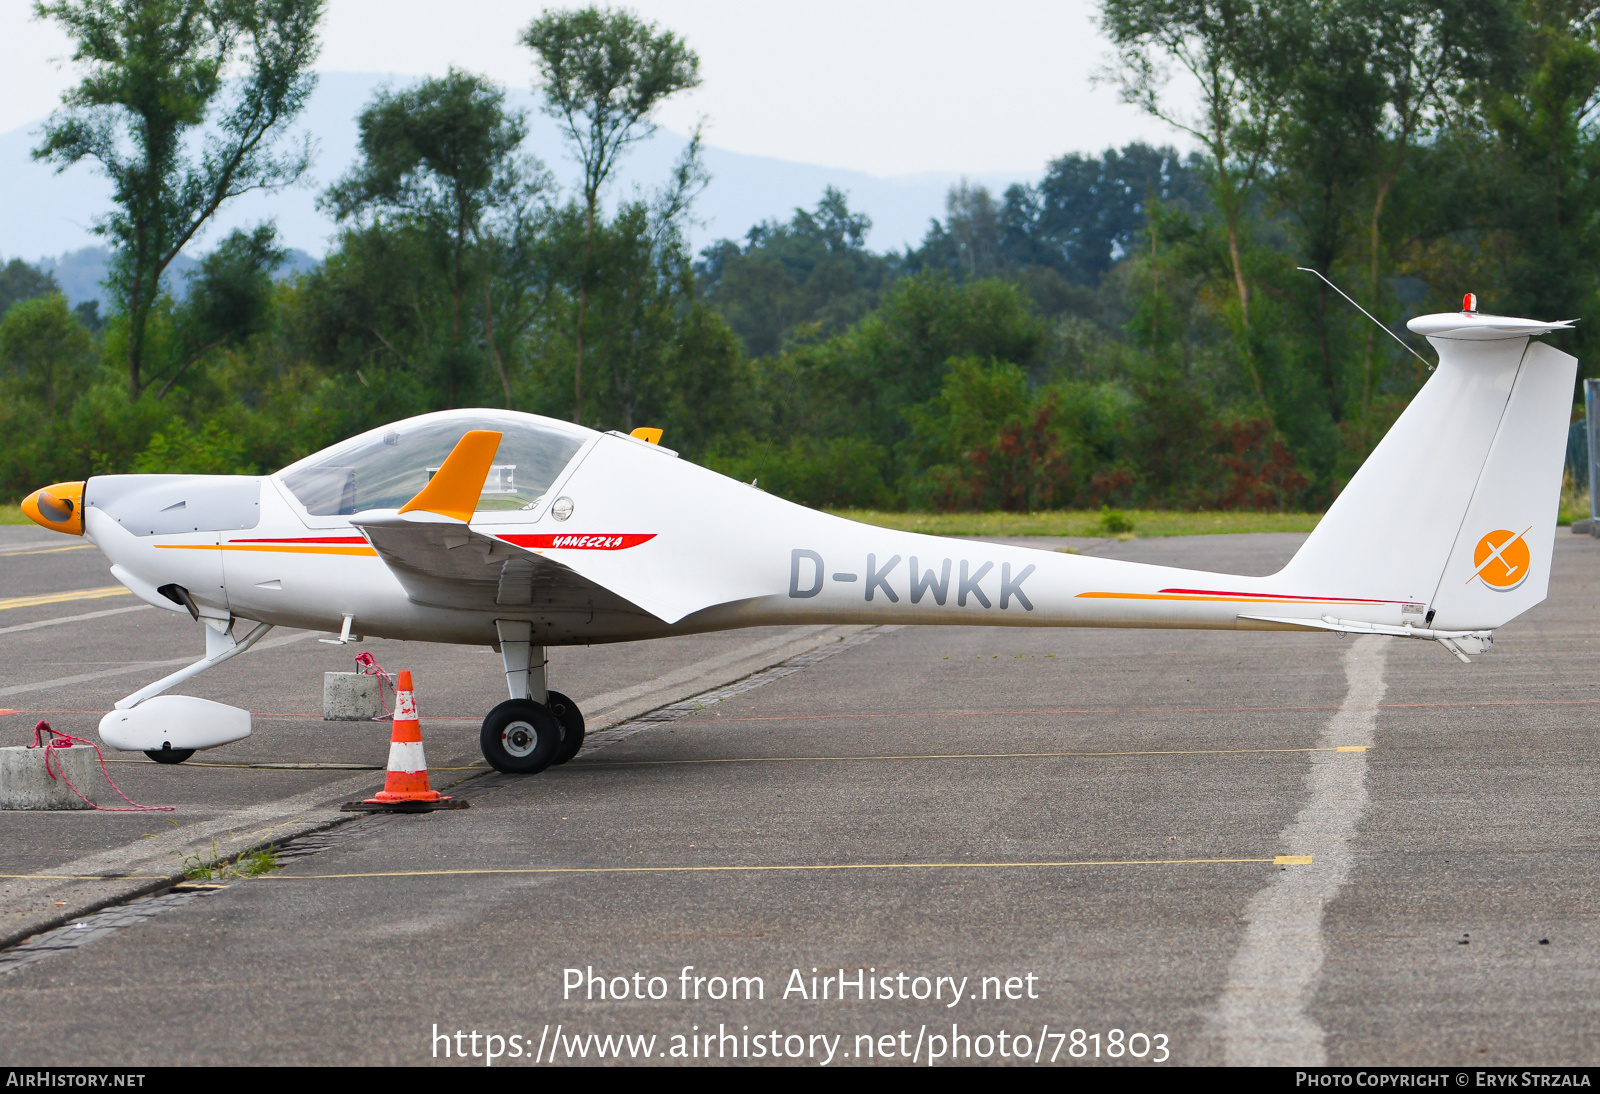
pixel 1499 565
pixel 1480 448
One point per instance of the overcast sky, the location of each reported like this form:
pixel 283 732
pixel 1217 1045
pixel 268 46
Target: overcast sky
pixel 889 87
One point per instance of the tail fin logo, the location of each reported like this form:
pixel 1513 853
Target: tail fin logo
pixel 1502 559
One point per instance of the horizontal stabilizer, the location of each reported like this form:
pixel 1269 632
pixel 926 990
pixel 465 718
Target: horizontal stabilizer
pixel 1459 643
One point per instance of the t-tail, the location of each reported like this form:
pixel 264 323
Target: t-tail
pixel 1454 513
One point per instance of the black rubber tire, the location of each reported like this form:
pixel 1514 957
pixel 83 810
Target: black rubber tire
pixel 525 718
pixel 169 755
pixel 571 719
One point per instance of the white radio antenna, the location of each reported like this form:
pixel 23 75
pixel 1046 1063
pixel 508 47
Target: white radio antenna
pixel 1369 315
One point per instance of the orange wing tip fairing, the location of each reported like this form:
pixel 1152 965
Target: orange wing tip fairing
pixel 454 489
pixel 58 507
pixel 648 434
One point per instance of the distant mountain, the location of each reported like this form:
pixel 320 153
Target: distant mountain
pixel 80 272
pixel 50 214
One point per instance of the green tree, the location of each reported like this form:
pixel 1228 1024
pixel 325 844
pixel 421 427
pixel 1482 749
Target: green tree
pixel 441 155
pixel 1323 157
pixel 1224 47
pixel 20 281
pixel 521 244
pixel 377 315
pixel 1537 178
pixel 604 73
pixel 972 225
pixel 1088 211
pixel 46 366
pixel 1234 52
pixel 858 383
pixel 228 299
pixel 662 355
pixel 990 440
pixel 156 70
pixel 1424 56
pixel 44 351
pixel 806 279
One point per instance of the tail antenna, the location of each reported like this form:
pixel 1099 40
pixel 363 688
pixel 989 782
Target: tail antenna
pixel 1369 315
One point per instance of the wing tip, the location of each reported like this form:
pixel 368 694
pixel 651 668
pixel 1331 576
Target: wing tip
pixel 454 489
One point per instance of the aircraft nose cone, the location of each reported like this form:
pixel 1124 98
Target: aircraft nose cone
pixel 58 507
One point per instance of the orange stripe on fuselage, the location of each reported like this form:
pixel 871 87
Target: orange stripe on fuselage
pixel 1289 597
pixel 1242 598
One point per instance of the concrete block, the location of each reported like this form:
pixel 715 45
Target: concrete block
pixel 24 783
pixel 1584 527
pixel 350 697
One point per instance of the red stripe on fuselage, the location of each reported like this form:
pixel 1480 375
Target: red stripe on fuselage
pixel 306 539
pixel 615 541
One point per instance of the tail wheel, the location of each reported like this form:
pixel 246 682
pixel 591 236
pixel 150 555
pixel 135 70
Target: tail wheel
pixel 166 754
pixel 571 719
pixel 520 737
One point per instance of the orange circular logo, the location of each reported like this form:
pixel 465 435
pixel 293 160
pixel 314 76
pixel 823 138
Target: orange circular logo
pixel 1502 559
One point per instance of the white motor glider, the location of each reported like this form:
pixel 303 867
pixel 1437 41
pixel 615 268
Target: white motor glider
pixel 489 527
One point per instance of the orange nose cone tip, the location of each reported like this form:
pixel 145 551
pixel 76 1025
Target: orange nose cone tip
pixel 58 508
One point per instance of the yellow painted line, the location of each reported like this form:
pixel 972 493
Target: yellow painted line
pixel 967 756
pixel 292 549
pixel 62 598
pixel 1283 860
pixel 48 550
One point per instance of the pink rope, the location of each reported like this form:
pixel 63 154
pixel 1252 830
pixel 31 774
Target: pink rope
pixel 56 741
pixel 368 665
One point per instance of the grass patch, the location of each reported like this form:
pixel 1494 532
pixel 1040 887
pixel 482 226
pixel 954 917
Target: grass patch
pixel 1574 503
pixel 12 514
pixel 212 868
pixel 1091 522
pixel 257 863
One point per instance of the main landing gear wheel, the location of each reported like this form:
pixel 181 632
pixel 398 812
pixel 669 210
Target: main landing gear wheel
pixel 520 737
pixel 571 719
pixel 166 754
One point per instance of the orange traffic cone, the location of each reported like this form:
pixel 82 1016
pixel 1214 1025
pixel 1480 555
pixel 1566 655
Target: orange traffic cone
pixel 406 789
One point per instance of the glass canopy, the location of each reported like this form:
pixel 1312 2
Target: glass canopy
pixel 386 467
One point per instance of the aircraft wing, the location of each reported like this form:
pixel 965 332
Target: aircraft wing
pixel 447 564
pixel 441 561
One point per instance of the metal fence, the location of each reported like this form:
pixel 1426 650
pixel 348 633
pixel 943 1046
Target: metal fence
pixel 1583 449
pixel 1591 409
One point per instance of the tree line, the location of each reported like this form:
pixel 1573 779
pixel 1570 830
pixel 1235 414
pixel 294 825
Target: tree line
pixel 1133 329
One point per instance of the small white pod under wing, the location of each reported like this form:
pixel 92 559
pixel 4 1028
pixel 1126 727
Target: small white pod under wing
pixel 179 722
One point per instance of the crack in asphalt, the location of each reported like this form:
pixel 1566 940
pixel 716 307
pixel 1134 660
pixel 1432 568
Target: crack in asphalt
pixel 1262 1018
